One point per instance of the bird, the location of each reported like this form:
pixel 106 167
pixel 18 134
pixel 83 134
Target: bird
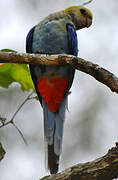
pixel 55 34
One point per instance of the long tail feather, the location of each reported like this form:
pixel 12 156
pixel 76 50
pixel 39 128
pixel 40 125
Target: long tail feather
pixel 53 160
pixel 53 132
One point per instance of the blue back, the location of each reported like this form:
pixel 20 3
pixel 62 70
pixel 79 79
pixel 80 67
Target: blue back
pixel 52 38
pixel 64 41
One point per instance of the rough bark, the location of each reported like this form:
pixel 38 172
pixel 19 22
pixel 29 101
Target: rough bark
pixel 99 73
pixel 104 168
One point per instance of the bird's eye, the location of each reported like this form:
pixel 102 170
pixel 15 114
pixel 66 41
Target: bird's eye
pixel 83 11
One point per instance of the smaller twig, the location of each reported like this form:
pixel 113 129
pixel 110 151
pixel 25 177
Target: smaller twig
pixel 14 115
pixel 2 120
pixel 35 97
pixel 88 2
pixel 21 105
pixel 11 121
pixel 21 134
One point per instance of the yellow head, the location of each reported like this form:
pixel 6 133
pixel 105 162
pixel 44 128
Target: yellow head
pixel 81 16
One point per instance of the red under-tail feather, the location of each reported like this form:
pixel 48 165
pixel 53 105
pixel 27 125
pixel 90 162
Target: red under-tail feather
pixel 52 91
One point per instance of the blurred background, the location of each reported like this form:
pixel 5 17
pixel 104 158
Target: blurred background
pixel 92 121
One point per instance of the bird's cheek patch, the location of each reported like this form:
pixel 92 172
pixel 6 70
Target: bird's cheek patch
pixel 52 91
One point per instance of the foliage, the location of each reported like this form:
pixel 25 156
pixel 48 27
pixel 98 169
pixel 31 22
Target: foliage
pixel 11 72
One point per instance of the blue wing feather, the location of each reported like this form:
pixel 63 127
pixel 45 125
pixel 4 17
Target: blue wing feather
pixel 29 40
pixel 72 40
pixel 73 49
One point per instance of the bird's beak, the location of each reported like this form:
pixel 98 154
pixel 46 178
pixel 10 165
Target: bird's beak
pixel 88 22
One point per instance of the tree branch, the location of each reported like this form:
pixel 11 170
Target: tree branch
pixel 99 73
pixel 104 168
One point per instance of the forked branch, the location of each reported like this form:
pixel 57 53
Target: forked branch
pixel 4 122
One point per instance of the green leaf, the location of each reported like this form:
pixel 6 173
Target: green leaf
pixel 7 50
pixel 11 72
